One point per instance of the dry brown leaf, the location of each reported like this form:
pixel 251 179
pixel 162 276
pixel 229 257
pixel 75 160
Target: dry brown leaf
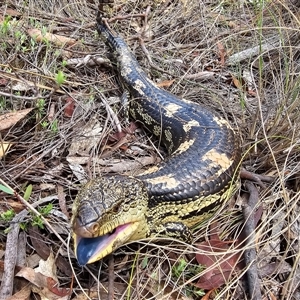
pixel 101 292
pixel 4 147
pixel 12 203
pixel 242 85
pixel 62 200
pixel 232 24
pixel 47 187
pixel 165 83
pixel 69 108
pixel 252 93
pixel 66 54
pixel 272 296
pixel 10 119
pixel 3 81
pixel 237 83
pixel 51 291
pixel 58 40
pixel 207 295
pixel 44 251
pixel 23 294
pixel 222 53
pixel 11 12
pixel 220 267
pixel 37 279
pixel 43 285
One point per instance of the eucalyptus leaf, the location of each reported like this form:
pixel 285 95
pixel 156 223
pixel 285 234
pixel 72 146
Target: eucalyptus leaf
pixel 6 190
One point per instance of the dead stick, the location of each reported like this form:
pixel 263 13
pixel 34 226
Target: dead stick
pixel 111 277
pixel 250 253
pixel 116 18
pixel 11 256
pixel 258 178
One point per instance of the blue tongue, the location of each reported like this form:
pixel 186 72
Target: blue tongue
pixel 87 247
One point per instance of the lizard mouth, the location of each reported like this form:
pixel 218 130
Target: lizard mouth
pixel 89 250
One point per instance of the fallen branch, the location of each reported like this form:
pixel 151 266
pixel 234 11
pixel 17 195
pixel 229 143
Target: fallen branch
pixel 250 252
pixel 237 58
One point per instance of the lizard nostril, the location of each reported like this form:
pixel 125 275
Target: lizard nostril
pixel 94 228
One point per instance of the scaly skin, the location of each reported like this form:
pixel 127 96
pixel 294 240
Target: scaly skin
pixel 170 198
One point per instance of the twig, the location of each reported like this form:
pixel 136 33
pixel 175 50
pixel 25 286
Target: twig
pixel 142 44
pixel 89 60
pixel 269 45
pixel 250 253
pixel 124 17
pixel 62 200
pixel 21 255
pixel 112 115
pixel 258 178
pixel 30 84
pixel 116 18
pixel 204 75
pixel 51 112
pixel 147 11
pixel 11 251
pixel 11 95
pixel 111 277
pixel 273 43
pixel 121 142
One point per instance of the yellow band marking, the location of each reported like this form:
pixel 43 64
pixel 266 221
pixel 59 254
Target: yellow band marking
pixel 218 159
pixel 139 86
pixel 187 127
pixel 151 170
pixel 184 146
pixel 168 180
pixel 171 109
pixel 221 122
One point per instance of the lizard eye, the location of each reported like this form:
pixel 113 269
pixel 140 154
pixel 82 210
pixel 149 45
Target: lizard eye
pixel 116 208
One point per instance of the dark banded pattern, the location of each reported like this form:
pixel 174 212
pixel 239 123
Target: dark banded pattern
pixel 168 199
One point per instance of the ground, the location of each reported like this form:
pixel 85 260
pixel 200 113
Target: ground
pixel 59 114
